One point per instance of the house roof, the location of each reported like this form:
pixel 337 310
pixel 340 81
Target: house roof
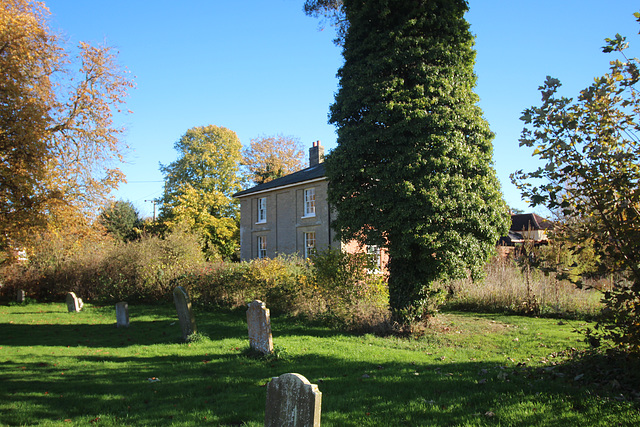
pixel 520 222
pixel 309 174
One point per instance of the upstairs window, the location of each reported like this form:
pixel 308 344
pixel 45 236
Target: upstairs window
pixel 310 202
pixel 262 209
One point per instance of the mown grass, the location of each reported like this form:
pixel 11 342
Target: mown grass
pixel 59 368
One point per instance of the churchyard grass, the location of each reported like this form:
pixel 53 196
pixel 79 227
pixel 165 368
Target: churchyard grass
pixel 60 368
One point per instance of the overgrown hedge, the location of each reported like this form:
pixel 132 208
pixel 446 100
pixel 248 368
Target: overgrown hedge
pixel 332 286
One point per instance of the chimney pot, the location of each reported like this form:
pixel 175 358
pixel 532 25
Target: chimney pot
pixel 316 154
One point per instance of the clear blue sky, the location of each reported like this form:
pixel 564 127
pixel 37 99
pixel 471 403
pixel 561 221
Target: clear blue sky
pixel 262 67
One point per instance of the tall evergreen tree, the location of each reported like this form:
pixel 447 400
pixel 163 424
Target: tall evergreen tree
pixel 413 167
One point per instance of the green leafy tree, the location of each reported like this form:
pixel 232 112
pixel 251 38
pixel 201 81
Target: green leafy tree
pixel 199 185
pixel 271 157
pixel 120 219
pixel 333 12
pixel 591 174
pixel 413 167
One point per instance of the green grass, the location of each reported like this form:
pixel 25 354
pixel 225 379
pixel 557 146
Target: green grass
pixel 59 368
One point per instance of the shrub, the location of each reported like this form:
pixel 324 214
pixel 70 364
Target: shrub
pixel 107 271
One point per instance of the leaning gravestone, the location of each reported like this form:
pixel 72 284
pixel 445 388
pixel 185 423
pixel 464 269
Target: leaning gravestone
pixel 259 324
pixel 185 315
pixel 292 401
pixel 122 315
pixel 73 303
pixel 20 296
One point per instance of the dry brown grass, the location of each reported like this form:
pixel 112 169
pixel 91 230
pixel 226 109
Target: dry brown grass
pixel 509 288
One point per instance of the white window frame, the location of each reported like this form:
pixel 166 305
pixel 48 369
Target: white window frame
pixel 374 252
pixel 262 246
pixel 309 243
pixel 262 210
pixel 309 202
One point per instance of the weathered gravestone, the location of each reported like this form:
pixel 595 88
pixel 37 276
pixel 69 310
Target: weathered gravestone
pixel 73 303
pixel 292 401
pixel 185 315
pixel 259 324
pixel 122 315
pixel 20 296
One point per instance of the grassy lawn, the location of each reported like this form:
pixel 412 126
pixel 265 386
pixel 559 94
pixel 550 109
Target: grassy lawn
pixel 59 368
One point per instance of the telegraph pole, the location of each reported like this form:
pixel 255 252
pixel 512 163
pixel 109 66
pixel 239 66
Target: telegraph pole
pixel 154 208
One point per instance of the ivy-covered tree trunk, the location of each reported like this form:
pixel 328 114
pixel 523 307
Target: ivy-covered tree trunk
pixel 413 167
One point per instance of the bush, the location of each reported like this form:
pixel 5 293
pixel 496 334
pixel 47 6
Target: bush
pixel 107 271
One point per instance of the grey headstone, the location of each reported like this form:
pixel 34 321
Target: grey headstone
pixel 122 315
pixel 292 401
pixel 185 314
pixel 20 296
pixel 259 324
pixel 72 303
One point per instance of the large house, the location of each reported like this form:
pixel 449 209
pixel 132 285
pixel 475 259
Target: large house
pixel 290 215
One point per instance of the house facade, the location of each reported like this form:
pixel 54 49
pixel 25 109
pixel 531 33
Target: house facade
pixel 289 215
pixel 525 228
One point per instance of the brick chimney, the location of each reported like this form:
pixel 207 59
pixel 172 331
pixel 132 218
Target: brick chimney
pixel 316 154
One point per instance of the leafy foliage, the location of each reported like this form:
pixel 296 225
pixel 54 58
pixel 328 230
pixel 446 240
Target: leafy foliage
pixel 199 185
pixel 58 141
pixel 333 11
pixel 271 157
pixel 120 219
pixel 413 167
pixel 591 150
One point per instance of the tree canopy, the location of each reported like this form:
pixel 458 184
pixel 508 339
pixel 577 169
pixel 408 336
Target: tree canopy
pixel 590 148
pixel 58 142
pixel 120 219
pixel 412 170
pixel 199 186
pixel 271 157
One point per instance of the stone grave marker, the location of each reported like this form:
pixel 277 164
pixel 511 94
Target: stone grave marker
pixel 185 314
pixel 73 303
pixel 292 401
pixel 122 315
pixel 20 296
pixel 259 324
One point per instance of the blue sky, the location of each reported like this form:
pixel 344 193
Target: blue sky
pixel 262 68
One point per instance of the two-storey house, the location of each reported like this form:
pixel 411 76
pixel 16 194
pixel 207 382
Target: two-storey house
pixel 288 215
pixel 291 215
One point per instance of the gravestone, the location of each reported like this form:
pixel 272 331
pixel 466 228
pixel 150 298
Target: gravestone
pixel 292 401
pixel 20 296
pixel 122 315
pixel 259 324
pixel 73 304
pixel 185 315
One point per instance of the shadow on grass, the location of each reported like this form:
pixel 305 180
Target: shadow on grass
pixel 216 383
pixel 230 390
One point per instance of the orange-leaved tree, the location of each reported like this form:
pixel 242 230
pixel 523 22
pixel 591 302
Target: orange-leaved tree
pixel 271 157
pixel 58 140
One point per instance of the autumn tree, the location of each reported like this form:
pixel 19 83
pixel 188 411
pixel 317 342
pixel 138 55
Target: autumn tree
pixel 412 170
pixel 199 185
pixel 271 157
pixel 58 142
pixel 590 148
